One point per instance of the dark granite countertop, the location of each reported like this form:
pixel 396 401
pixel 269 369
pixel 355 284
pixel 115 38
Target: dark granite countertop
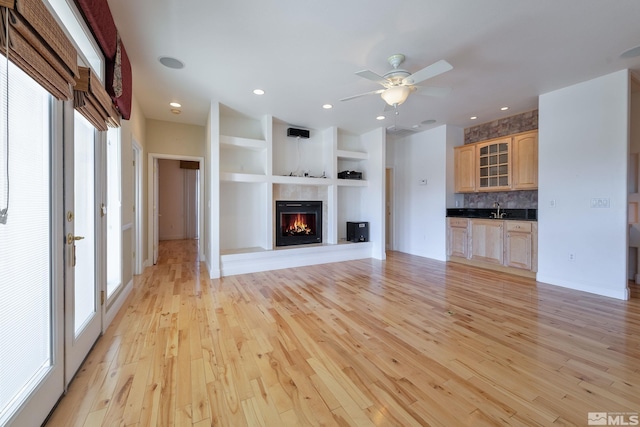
pixel 515 214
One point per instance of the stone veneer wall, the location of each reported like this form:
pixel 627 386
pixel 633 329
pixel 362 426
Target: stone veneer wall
pixel 502 127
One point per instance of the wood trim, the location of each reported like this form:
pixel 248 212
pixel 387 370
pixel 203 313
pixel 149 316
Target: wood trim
pixel 187 164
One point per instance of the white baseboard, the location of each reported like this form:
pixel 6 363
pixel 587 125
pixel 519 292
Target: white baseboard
pixel 620 293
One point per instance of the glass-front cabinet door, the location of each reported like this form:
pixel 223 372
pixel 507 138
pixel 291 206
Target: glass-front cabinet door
pixel 494 165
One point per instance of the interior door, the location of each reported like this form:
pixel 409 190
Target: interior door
pixel 83 314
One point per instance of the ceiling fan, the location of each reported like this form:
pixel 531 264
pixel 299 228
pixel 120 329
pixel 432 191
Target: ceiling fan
pixel 399 83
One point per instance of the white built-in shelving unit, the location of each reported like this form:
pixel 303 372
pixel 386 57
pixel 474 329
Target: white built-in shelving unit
pixel 259 164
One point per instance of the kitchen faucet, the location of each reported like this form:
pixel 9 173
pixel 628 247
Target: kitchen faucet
pixel 497 214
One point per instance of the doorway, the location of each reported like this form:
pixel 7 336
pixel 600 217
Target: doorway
pixel 194 203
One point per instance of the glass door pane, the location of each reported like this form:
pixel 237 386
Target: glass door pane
pixel 84 213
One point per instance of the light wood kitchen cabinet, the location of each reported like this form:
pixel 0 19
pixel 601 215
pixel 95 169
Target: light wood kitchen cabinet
pixel 503 164
pixel 465 168
pixel 458 237
pixel 494 165
pixel 524 155
pixel 487 241
pixel 503 245
pixel 518 245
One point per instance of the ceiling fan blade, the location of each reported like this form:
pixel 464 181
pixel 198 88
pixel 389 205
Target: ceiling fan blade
pixel 370 75
pixel 432 70
pixel 433 91
pixel 373 92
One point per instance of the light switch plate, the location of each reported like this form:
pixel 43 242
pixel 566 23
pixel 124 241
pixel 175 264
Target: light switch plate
pixel 600 203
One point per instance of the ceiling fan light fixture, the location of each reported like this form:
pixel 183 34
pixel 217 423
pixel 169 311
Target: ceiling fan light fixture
pixel 396 95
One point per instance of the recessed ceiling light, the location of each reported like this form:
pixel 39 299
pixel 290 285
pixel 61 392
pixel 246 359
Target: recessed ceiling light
pixel 473 117
pixel 175 104
pixel 504 108
pixel 258 92
pixel 327 106
pixel 175 111
pixel 631 53
pixel 170 62
pixel 380 118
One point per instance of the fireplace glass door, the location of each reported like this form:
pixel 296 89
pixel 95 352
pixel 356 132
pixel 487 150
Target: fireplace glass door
pixel 298 222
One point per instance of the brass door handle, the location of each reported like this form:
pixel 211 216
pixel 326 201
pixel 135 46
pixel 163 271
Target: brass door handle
pixel 71 238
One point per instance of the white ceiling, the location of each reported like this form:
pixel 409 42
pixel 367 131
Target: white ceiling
pixel 304 54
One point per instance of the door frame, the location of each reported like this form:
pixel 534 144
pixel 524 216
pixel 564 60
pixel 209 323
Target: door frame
pixel 389 210
pixel 153 184
pixel 139 262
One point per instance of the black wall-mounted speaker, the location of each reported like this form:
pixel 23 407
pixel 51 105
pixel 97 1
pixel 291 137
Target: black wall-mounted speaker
pixel 301 133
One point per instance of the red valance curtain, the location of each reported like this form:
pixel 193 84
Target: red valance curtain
pixel 118 68
pixel 38 45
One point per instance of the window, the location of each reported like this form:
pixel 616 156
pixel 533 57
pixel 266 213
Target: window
pixel 25 249
pixel 80 34
pixel 114 220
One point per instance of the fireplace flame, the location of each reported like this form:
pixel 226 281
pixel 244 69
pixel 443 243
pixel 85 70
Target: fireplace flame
pixel 297 225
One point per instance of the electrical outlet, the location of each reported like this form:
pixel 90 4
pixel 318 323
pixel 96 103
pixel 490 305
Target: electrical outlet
pixel 552 203
pixel 572 256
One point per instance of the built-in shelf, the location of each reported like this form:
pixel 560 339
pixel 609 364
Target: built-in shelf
pixel 253 173
pixel 300 180
pixel 252 144
pixel 242 177
pixel 351 155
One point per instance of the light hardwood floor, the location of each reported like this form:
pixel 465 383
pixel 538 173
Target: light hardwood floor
pixel 408 341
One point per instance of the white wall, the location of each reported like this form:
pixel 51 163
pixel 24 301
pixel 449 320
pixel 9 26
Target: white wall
pixel 634 185
pixel 373 201
pixel 211 232
pixel 583 146
pixel 419 210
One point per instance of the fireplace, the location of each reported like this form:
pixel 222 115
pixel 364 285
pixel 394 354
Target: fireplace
pixel 298 222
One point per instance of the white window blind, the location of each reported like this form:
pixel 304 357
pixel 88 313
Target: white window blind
pixel 25 239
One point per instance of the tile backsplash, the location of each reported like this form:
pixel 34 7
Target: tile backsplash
pixel 502 127
pixel 525 199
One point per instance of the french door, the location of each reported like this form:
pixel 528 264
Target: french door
pixel 83 296
pixel 31 264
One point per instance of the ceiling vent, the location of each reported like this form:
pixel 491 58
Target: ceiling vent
pixel 400 132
